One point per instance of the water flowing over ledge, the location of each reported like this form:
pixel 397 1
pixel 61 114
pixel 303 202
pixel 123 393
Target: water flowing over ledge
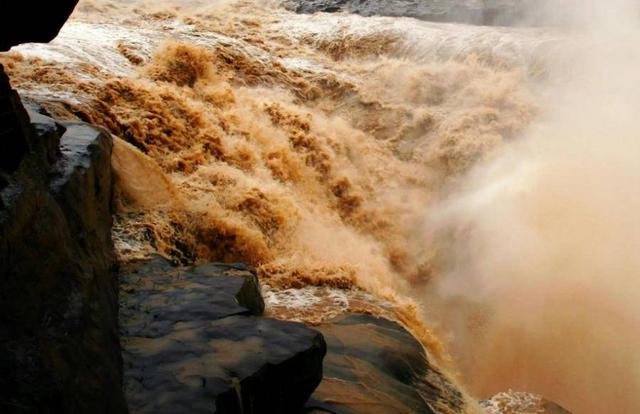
pixel 346 156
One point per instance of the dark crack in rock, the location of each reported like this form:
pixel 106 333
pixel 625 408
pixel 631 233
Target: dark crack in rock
pixel 32 21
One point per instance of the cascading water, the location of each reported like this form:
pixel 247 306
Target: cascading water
pixel 435 166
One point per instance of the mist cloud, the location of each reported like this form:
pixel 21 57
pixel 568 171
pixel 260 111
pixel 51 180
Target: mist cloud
pixel 540 283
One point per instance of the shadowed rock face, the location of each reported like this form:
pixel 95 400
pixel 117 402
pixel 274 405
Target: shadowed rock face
pixel 193 342
pixel 32 21
pixel 13 128
pixel 374 365
pixel 59 349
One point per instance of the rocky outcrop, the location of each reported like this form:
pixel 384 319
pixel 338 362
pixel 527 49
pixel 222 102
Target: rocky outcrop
pixel 13 129
pixel 194 341
pixel 374 365
pixel 59 347
pixel 32 21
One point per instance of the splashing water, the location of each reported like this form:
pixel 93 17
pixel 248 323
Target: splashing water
pixel 538 264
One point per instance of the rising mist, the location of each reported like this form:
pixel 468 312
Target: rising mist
pixel 538 246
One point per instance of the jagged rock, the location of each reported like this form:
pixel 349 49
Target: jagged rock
pixel 193 342
pixel 248 295
pixel 59 349
pixel 552 408
pixel 374 365
pixel 32 21
pixel 13 129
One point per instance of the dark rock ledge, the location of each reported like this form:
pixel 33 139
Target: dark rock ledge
pixel 376 366
pixel 193 341
pixel 59 349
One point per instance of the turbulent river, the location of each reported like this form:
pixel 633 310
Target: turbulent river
pixel 479 184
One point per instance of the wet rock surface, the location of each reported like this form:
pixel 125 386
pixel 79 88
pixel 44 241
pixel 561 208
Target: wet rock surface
pixel 59 348
pixel 194 341
pixel 374 365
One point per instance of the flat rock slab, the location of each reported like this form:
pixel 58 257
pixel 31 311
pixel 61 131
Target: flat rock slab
pixel 193 341
pixel 374 365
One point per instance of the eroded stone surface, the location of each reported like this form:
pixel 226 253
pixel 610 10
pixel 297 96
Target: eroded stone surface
pixel 486 12
pixel 374 365
pixel 193 341
pixel 59 348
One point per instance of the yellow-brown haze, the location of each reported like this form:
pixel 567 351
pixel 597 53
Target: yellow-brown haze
pixel 538 246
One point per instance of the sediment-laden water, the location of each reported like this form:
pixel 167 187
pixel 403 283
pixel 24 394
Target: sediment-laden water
pixel 476 183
